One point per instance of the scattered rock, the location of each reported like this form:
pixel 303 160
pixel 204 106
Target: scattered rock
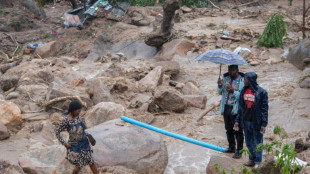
pixel 254 63
pixel 186 9
pixel 131 146
pixel 169 67
pixel 305 83
pixel 138 17
pixel 10 115
pixel 48 50
pixel 101 90
pixel 300 145
pixel 4 134
pixel 175 47
pixel 33 8
pixel 8 66
pixel 55 118
pixel 7 168
pixel 103 112
pixel 9 81
pixel 274 60
pixel 116 170
pixel 190 89
pixel 226 163
pixel 37 127
pixel 300 52
pixel 151 80
pixel 50 159
pixel 12 95
pixel 119 88
pixel 169 99
pixel 35 116
pixel 198 101
pixel 4 28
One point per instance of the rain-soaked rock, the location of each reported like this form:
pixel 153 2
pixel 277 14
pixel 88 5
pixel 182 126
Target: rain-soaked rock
pixel 168 67
pixel 10 115
pixel 169 99
pixel 49 159
pixel 4 134
pixel 175 47
pixel 101 89
pixel 299 53
pixel 103 112
pixel 116 170
pixel 198 101
pixel 7 168
pixel 119 143
pixel 12 95
pixel 191 89
pixel 226 163
pixel 33 8
pixel 48 50
pixel 151 80
pixel 55 118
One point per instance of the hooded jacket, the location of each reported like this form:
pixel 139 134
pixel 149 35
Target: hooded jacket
pixel 236 94
pixel 260 117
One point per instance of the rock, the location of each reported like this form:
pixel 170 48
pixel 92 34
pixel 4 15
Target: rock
pixel 7 168
pixel 226 163
pixel 55 118
pixel 101 90
pixel 36 91
pixel 151 80
pixel 305 170
pixel 12 95
pixel 190 89
pixel 139 100
pixel 198 101
pixel 267 166
pixel 4 134
pixel 300 145
pixel 50 159
pixel 8 66
pixel 306 71
pixel 9 81
pixel 131 146
pixel 10 115
pixel 274 60
pixel 169 67
pixel 116 170
pixel 300 52
pixel 35 116
pixel 119 88
pixel 169 99
pixel 254 63
pixel 186 9
pixel 48 50
pixel 175 47
pixel 37 127
pixel 4 28
pixel 33 8
pixel 305 83
pixel 103 112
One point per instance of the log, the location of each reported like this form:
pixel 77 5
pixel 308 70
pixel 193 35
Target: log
pixel 249 3
pixel 215 5
pixel 211 107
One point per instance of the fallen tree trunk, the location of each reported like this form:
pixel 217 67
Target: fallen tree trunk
pixel 211 107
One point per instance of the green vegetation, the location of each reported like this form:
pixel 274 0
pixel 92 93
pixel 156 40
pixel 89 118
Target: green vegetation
pixel 1 12
pixel 290 2
pixel 45 36
pixel 285 154
pixel 274 32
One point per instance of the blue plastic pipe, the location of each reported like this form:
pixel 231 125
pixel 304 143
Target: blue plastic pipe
pixel 180 137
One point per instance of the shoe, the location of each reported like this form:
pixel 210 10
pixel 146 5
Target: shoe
pixel 256 166
pixel 229 150
pixel 237 155
pixel 250 163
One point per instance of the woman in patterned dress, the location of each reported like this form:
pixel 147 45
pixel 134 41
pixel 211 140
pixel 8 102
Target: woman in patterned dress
pixel 78 148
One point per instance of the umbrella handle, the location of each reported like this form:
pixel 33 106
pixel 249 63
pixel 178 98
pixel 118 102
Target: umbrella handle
pixel 220 70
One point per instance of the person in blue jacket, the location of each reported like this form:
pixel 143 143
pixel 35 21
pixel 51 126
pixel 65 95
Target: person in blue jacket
pixel 253 115
pixel 230 87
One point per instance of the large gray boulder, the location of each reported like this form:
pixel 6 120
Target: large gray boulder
pixel 124 144
pixel 7 168
pixel 299 56
pixel 103 112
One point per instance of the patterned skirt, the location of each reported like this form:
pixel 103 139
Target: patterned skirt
pixel 80 159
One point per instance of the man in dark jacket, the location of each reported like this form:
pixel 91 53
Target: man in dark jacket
pixel 253 115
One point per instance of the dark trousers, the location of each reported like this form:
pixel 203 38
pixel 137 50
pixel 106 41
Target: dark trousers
pixel 252 139
pixel 232 135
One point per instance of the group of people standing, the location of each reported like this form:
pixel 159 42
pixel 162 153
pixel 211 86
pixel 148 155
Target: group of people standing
pixel 244 106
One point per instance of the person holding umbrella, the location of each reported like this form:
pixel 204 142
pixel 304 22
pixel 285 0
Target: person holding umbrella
pixel 229 87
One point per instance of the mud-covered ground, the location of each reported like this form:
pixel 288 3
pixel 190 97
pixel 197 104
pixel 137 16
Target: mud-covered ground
pixel 289 105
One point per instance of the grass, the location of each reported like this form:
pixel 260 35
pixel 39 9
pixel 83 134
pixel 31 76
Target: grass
pixel 1 12
pixel 45 36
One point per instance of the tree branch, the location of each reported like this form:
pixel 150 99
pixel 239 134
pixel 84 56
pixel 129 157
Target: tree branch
pixel 299 26
pixel 215 5
pixel 307 10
